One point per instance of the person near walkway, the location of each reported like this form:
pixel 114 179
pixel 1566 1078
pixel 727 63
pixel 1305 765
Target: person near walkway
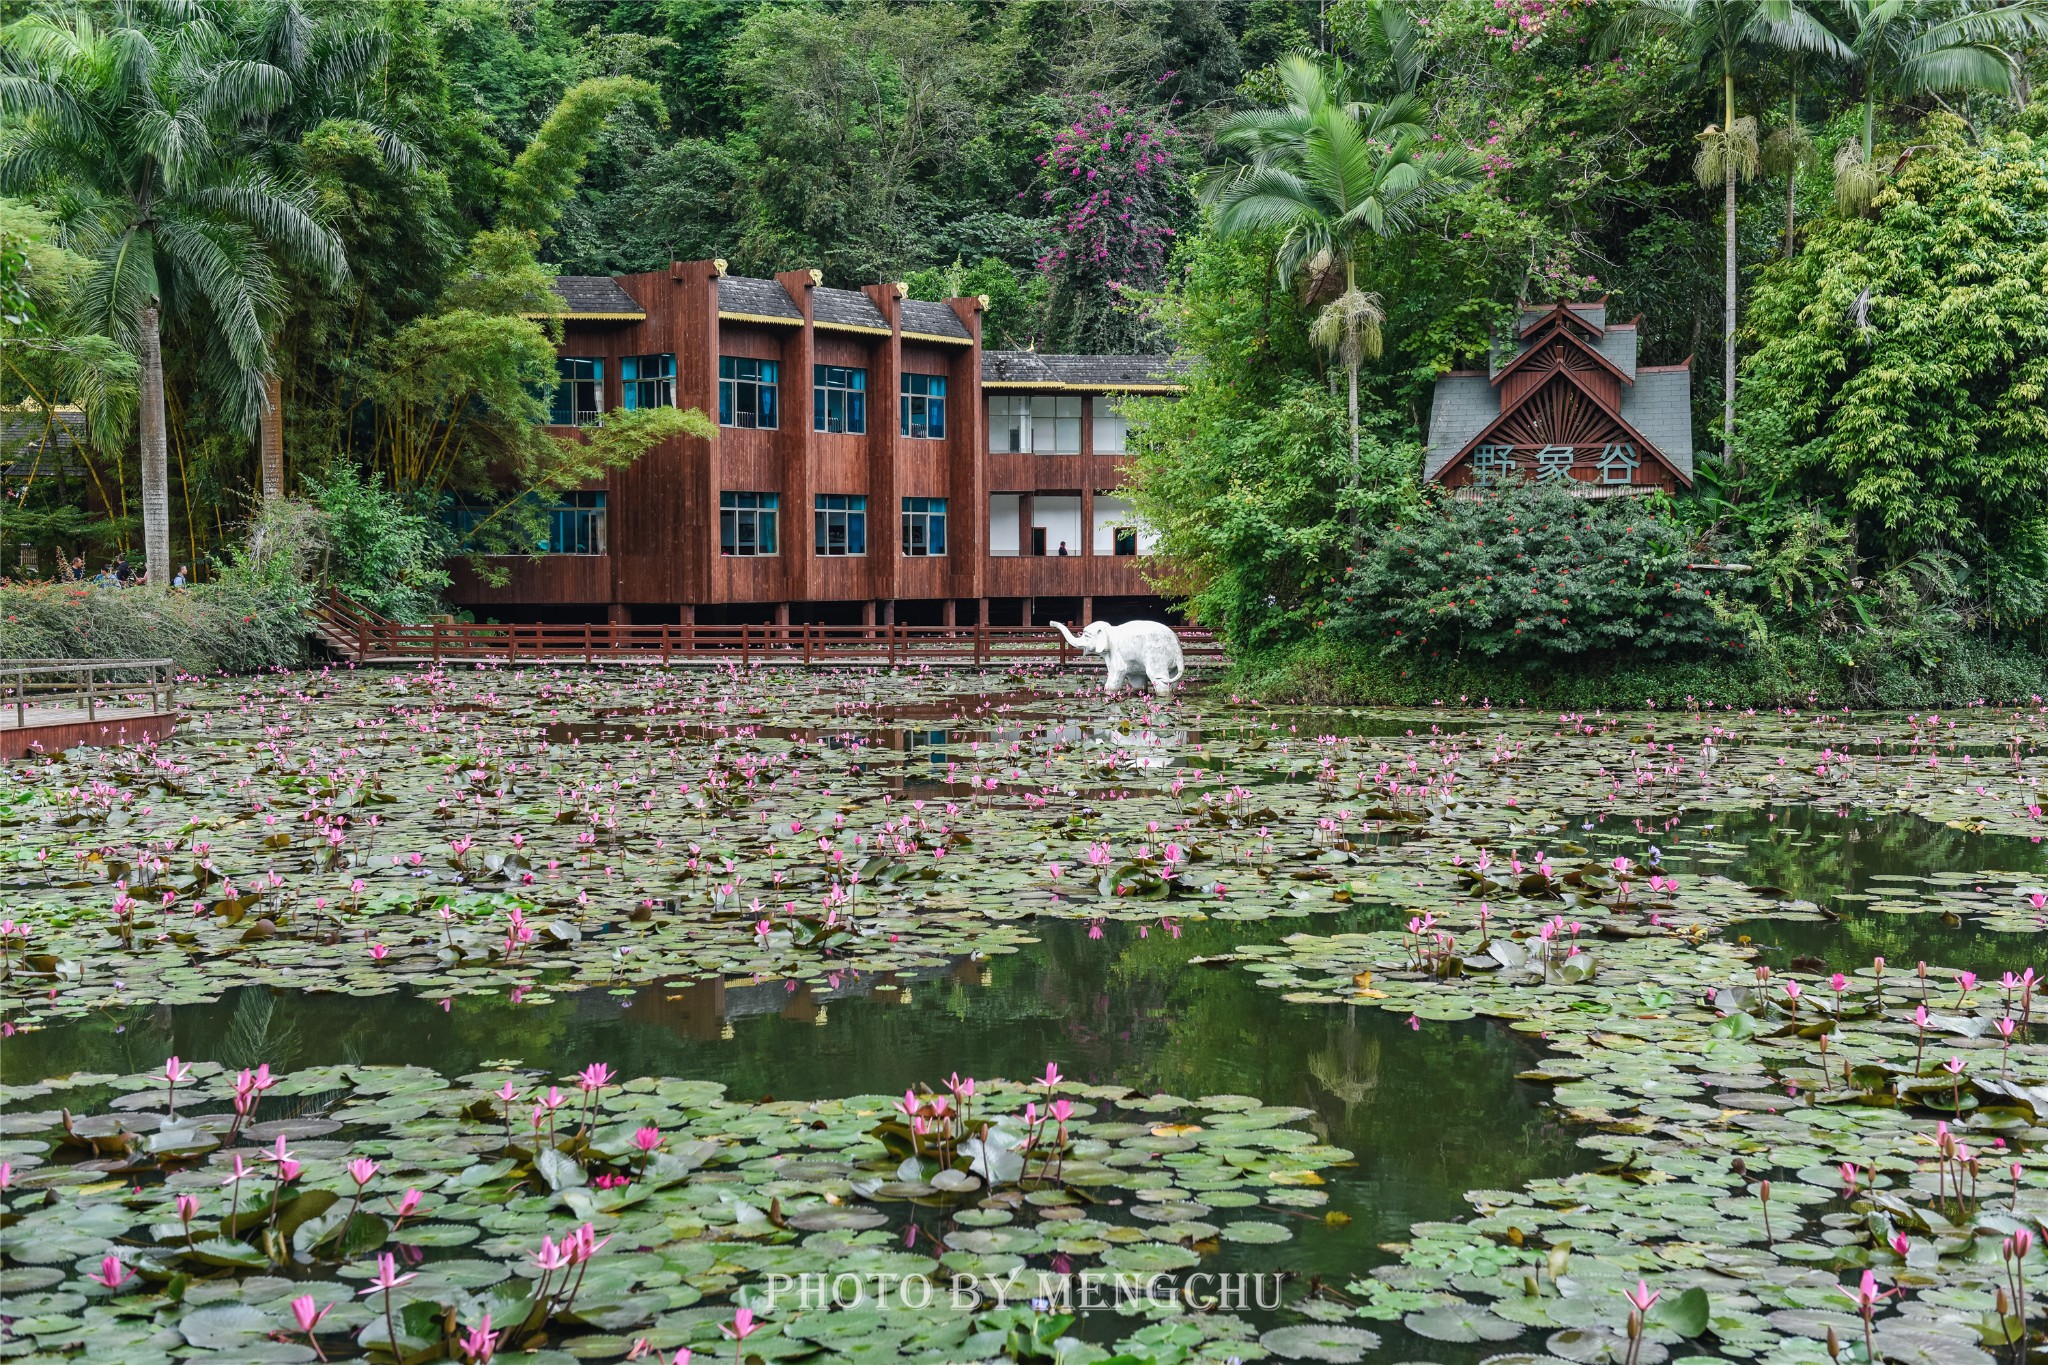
pixel 1062 551
pixel 178 579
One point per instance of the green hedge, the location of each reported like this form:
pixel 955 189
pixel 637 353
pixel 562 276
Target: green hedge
pixel 214 628
pixel 1327 673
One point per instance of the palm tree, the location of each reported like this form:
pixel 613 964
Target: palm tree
pixel 1902 49
pixel 333 62
pixel 1332 172
pixel 127 131
pixel 1715 36
pixel 1788 151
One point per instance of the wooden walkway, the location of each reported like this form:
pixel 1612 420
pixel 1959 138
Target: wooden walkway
pixel 353 632
pixel 48 705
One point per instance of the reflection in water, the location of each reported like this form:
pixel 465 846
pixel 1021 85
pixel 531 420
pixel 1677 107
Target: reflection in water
pixel 1844 860
pixel 1428 1114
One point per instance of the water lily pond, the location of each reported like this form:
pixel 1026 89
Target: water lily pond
pixel 626 1014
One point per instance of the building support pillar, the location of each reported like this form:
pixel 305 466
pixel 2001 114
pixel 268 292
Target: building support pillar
pixel 952 612
pixel 1027 607
pixel 617 614
pixel 782 613
pixel 981 611
pixel 1087 609
pixel 867 614
pixel 689 616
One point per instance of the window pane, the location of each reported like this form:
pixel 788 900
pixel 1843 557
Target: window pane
pixel 1109 430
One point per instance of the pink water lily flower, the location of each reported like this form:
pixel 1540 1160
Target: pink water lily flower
pixel 1641 1296
pixel 387 1276
pixel 111 1273
pixel 307 1313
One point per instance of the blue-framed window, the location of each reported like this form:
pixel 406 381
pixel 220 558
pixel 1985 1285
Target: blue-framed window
pixel 746 523
pixel 840 523
pixel 746 391
pixel 924 526
pixel 576 525
pixel 579 391
pixel 839 399
pixel 924 406
pixel 650 381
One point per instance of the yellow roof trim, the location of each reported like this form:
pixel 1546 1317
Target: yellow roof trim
pixel 724 316
pixel 591 317
pixel 1043 386
pixel 850 327
pixel 933 336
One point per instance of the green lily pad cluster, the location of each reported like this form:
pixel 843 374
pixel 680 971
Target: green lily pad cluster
pixel 590 1219
pixel 1767 1138
pixel 531 833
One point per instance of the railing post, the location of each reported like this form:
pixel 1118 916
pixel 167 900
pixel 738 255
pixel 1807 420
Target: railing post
pixel 807 644
pixel 746 640
pixel 92 692
pixel 20 698
pixel 664 645
pixel 436 646
pixel 589 656
pixel 362 640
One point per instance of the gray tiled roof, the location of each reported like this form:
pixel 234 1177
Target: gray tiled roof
pixel 1461 408
pixel 933 319
pixel 1618 344
pixel 1015 367
pixel 1660 406
pixel 22 446
pixel 847 307
pixel 594 294
pixel 1595 313
pixel 1078 371
pixel 763 298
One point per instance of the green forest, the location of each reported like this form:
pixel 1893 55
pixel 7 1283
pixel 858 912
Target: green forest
pixel 1837 210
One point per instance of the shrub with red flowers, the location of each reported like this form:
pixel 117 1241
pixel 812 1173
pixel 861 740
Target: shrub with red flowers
pixel 1531 572
pixel 1113 187
pixel 233 626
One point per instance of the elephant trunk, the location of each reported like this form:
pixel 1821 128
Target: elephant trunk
pixel 1072 638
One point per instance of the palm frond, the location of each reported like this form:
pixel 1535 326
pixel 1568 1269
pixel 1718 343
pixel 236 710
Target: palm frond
pixel 241 89
pixel 1969 66
pixel 122 282
pixel 219 266
pixel 281 216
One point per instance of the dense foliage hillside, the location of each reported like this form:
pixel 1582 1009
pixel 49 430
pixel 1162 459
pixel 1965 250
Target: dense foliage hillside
pixel 1319 203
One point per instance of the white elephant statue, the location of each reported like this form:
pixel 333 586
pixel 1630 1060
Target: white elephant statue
pixel 1137 652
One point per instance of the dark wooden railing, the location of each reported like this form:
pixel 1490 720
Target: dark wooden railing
pixel 361 634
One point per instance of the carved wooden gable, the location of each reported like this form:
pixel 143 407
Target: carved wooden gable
pixel 1561 415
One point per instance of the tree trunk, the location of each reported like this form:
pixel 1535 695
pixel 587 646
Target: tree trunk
pixel 1792 171
pixel 1352 407
pixel 1791 207
pixel 270 437
pixel 1351 364
pixel 1730 285
pixel 156 475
